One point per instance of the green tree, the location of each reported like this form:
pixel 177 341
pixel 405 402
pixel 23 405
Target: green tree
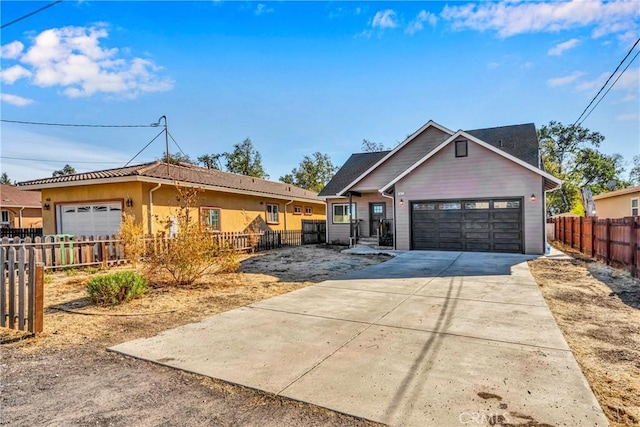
pixel 245 160
pixel 569 153
pixel 4 179
pixel 634 174
pixel 66 170
pixel 313 173
pixel 177 158
pixel 372 147
pixel 211 161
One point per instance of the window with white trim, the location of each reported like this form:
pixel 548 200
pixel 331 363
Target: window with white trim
pixel 297 210
pixel 308 210
pixel 342 213
pixel 634 207
pixel 211 218
pixel 272 214
pixel 5 219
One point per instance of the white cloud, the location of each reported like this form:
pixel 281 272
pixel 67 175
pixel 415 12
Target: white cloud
pixel 11 50
pixel 595 84
pixel 418 23
pixel 74 59
pixel 512 18
pixel 261 9
pixel 12 74
pixel 628 117
pixel 560 48
pixel 565 80
pixel 384 19
pixel 15 100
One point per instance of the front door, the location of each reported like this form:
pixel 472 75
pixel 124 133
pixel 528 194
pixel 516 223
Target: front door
pixel 377 211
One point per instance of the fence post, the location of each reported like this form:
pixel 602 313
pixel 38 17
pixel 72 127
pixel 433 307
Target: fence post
pixel 593 237
pixel 37 314
pixel 581 246
pixel 608 241
pixel 633 242
pixel 3 287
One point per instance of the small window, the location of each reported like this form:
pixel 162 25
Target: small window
pixel 97 209
pixel 506 204
pixel 5 218
pixel 84 209
pixel 308 210
pixel 461 148
pixel 342 213
pixel 211 217
pixel 424 207
pixel 297 210
pixel 378 209
pixel 449 206
pixel 476 205
pixel 634 207
pixel 272 214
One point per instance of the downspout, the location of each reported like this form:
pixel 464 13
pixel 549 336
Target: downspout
pixel 151 207
pixel 20 217
pixel 285 214
pixel 393 199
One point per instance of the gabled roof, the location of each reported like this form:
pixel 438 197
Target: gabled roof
pixel 519 141
pixel 617 193
pixel 183 173
pixel 352 169
pixel 551 181
pixel 14 197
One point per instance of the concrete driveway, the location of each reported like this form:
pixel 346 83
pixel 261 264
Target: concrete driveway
pixel 425 339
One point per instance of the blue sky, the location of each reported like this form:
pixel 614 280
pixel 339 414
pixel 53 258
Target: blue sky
pixel 301 77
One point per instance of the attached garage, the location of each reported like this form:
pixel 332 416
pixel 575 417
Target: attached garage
pixel 487 225
pixel 89 219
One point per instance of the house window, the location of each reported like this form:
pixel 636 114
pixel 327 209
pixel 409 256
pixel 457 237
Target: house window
pixel 634 208
pixel 5 219
pixel 448 206
pixel 342 213
pixel 272 214
pixel 297 210
pixel 461 148
pixel 211 217
pixel 308 210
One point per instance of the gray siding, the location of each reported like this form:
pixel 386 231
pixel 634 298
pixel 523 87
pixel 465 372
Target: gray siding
pixel 339 233
pixel 483 174
pixel 419 147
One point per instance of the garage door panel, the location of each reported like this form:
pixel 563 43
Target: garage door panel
pixel 90 219
pixel 470 225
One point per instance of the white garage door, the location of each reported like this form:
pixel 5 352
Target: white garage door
pixel 90 219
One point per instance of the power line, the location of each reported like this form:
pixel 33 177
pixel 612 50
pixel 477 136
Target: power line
pixel 30 14
pixel 612 85
pixel 78 125
pixel 607 82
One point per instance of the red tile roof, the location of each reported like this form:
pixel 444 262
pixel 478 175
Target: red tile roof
pixel 183 173
pixel 11 196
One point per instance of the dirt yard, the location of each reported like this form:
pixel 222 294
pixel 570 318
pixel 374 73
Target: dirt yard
pixel 65 377
pixel 598 310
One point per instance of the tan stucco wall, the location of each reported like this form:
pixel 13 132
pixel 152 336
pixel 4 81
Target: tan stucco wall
pixel 615 206
pixel 237 211
pixel 31 218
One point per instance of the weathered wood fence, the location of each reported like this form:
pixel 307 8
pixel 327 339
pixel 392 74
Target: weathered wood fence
pixel 21 289
pixel 314 231
pixel 611 240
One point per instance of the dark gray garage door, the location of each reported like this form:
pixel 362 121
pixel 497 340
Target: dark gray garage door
pixel 467 225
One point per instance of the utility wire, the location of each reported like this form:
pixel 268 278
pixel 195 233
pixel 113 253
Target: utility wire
pixel 612 85
pixel 177 145
pixel 605 83
pixel 143 148
pixel 78 125
pixel 30 14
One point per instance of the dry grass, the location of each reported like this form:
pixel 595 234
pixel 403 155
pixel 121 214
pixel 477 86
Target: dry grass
pixel 597 311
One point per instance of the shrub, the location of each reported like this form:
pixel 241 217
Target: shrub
pixel 192 252
pixel 116 288
pixel 131 236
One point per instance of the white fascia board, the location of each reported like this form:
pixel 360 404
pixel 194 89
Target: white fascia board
pixel 490 147
pixel 410 138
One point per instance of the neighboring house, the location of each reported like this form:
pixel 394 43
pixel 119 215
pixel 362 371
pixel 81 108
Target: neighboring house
pixel 478 190
pixel 19 208
pixel 618 204
pixel 92 203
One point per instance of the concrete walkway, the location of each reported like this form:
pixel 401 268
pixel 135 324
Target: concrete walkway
pixel 424 339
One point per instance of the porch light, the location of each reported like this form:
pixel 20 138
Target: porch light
pixel 533 197
pixel 129 202
pixel 401 202
pixel 46 206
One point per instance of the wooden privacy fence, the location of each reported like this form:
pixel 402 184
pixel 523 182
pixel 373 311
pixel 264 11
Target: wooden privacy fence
pixel 314 231
pixel 614 241
pixel 21 289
